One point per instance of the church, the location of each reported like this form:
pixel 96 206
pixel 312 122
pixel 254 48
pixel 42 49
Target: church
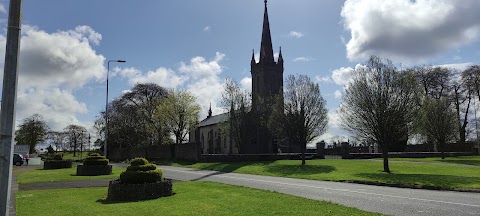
pixel 267 82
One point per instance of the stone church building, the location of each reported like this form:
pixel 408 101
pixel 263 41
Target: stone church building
pixel 267 81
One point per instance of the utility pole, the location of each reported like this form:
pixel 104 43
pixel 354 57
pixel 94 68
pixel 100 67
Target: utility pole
pixel 9 98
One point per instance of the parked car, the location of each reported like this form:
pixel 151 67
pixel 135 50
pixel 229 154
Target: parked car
pixel 17 159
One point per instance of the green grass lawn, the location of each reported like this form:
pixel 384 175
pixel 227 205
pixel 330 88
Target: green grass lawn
pixel 192 198
pixel 41 175
pixel 411 174
pixel 467 160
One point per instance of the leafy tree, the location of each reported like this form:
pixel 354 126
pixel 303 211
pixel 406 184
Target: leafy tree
pixel 145 98
pixel 179 113
pixel 32 131
pixel 76 136
pixel 303 115
pixel 439 121
pixel 132 119
pixel 380 104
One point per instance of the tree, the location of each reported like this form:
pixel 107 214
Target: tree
pixel 58 139
pixel 76 136
pixel 380 104
pixel 179 113
pixel 303 115
pixel 132 119
pixel 145 98
pixel 462 97
pixel 439 121
pixel 32 131
pixel 238 127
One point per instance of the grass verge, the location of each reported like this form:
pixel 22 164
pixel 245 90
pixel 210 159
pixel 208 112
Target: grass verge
pixel 41 175
pixel 192 198
pixel 416 175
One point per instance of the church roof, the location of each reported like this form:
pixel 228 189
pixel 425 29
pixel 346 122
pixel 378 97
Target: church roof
pixel 214 120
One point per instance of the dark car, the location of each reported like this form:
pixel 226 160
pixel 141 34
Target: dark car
pixel 17 159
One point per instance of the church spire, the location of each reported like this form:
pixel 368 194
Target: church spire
pixel 280 57
pixel 266 50
pixel 210 111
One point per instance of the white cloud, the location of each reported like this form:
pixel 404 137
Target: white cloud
pixel 295 34
pixel 51 66
pixel 199 67
pixel 302 59
pixel 246 84
pixel 409 30
pixel 58 107
pixel 60 59
pixel 324 79
pixel 199 76
pixel 337 94
pixel 2 8
pixel 343 76
pixel 162 76
pixel 207 28
pixel 457 66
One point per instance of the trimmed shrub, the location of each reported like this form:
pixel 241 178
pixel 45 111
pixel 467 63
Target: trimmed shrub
pixel 139 161
pixel 142 167
pixel 93 154
pixel 57 164
pixel 94 165
pixel 98 162
pixel 57 156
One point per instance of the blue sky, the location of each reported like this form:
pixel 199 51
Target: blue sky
pixel 195 45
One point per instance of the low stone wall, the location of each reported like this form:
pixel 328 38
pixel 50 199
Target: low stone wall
pixel 407 155
pixel 253 157
pixel 187 151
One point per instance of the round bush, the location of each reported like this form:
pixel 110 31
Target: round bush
pixel 138 177
pixel 147 167
pixel 58 156
pixel 139 161
pixel 93 154
pixel 95 158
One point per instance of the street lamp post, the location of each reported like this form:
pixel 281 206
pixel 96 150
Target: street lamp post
pixel 106 108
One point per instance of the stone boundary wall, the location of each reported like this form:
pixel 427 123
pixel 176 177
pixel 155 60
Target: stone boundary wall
pixel 187 151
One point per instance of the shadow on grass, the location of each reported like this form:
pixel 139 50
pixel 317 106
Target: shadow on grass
pixel 171 162
pixel 428 180
pixel 232 166
pixel 466 162
pixel 286 170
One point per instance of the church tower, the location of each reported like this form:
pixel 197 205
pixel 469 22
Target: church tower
pixel 267 75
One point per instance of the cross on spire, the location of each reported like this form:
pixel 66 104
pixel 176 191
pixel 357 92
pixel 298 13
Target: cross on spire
pixel 266 50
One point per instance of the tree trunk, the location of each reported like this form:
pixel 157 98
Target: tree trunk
pixel 442 146
pixel 386 168
pixel 304 146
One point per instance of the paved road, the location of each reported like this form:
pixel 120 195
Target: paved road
pixel 386 200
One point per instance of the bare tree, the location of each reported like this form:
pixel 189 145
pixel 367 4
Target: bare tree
pixel 461 96
pixel 380 104
pixel 179 113
pixel 304 115
pixel 32 131
pixel 76 137
pixel 439 121
pixel 237 128
pixel 58 139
